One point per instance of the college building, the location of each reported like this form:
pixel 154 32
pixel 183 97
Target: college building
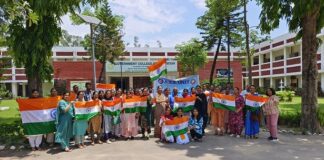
pixel 277 63
pixel 73 66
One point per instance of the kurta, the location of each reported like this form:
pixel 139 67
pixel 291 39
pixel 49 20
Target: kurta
pixel 252 125
pixel 80 127
pixel 159 111
pixel 64 126
pixel 236 121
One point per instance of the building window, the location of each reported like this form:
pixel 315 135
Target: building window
pixel 255 60
pixel 266 59
pixel 278 58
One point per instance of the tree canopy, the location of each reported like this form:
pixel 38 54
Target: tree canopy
pixel 192 55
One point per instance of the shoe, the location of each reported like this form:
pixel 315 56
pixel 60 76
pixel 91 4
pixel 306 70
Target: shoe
pixel 108 141
pixel 270 138
pixel 231 135
pixel 238 136
pixel 275 140
pixel 132 138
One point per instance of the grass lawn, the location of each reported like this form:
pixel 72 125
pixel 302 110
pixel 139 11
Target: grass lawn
pixel 295 105
pixel 11 115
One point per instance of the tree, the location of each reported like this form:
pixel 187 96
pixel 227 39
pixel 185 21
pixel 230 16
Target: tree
pixel 136 42
pixel 247 42
pixel 109 45
pixel 192 55
pixel 221 21
pixel 70 40
pixel 30 44
pixel 306 18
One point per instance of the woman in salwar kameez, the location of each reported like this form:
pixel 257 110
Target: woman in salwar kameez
pixel 64 126
pixel 95 122
pixel 217 115
pixel 80 126
pixel 159 111
pixel 236 122
pixel 129 121
pixel 252 125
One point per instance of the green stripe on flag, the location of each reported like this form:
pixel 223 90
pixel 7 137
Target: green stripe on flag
pixel 135 109
pixel 164 72
pixel 85 116
pixel 185 109
pixel 222 106
pixel 251 108
pixel 39 128
pixel 176 133
pixel 115 113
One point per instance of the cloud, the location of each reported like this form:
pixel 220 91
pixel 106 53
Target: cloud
pixel 200 4
pixel 147 16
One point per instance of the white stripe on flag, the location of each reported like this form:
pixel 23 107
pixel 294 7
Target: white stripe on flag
pixel 87 110
pixel 33 116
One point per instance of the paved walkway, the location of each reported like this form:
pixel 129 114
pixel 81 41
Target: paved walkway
pixel 214 148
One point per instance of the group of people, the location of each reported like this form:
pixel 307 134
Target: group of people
pixel 106 128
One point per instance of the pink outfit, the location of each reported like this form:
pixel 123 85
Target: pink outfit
pixel 272 121
pixel 271 111
pixel 129 124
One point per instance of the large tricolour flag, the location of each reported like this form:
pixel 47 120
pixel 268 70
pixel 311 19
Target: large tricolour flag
pixel 38 115
pixel 176 127
pixel 186 104
pixel 135 104
pixel 112 108
pixel 157 69
pixel 86 110
pixel 254 102
pixel 104 87
pixel 223 101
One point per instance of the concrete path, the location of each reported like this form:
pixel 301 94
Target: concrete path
pixel 289 147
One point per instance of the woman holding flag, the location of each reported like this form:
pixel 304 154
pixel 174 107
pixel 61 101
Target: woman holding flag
pixel 95 122
pixel 80 126
pixel 35 140
pixel 107 125
pixel 252 125
pixel 64 126
pixel 236 122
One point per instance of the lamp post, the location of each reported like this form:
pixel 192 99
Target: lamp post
pixel 94 22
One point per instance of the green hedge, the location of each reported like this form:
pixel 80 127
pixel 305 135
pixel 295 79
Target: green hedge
pixel 286 96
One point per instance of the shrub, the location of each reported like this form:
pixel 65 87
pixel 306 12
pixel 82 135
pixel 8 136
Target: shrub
pixel 291 119
pixel 261 90
pixel 5 93
pixel 11 133
pixel 286 96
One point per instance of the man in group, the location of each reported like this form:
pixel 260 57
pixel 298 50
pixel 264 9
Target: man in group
pixel 88 92
pixel 201 104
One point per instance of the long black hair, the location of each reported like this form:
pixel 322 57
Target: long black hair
pixel 193 116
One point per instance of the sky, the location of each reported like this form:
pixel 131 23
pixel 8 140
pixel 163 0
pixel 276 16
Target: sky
pixel 169 21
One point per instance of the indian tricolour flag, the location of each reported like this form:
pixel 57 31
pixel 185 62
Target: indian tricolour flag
pixel 186 104
pixel 157 69
pixel 223 101
pixel 112 108
pixel 104 87
pixel 38 115
pixel 86 110
pixel 254 102
pixel 135 104
pixel 176 127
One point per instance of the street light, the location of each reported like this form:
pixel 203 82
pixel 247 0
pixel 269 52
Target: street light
pixel 94 22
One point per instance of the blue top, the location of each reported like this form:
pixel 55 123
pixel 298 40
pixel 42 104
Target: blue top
pixel 171 101
pixel 196 124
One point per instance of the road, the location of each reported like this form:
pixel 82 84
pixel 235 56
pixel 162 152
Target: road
pixel 214 148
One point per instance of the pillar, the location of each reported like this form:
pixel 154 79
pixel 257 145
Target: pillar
pixel 271 82
pixel 130 82
pixel 14 89
pixel 24 90
pixel 285 81
pixel 285 60
pixel 260 82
